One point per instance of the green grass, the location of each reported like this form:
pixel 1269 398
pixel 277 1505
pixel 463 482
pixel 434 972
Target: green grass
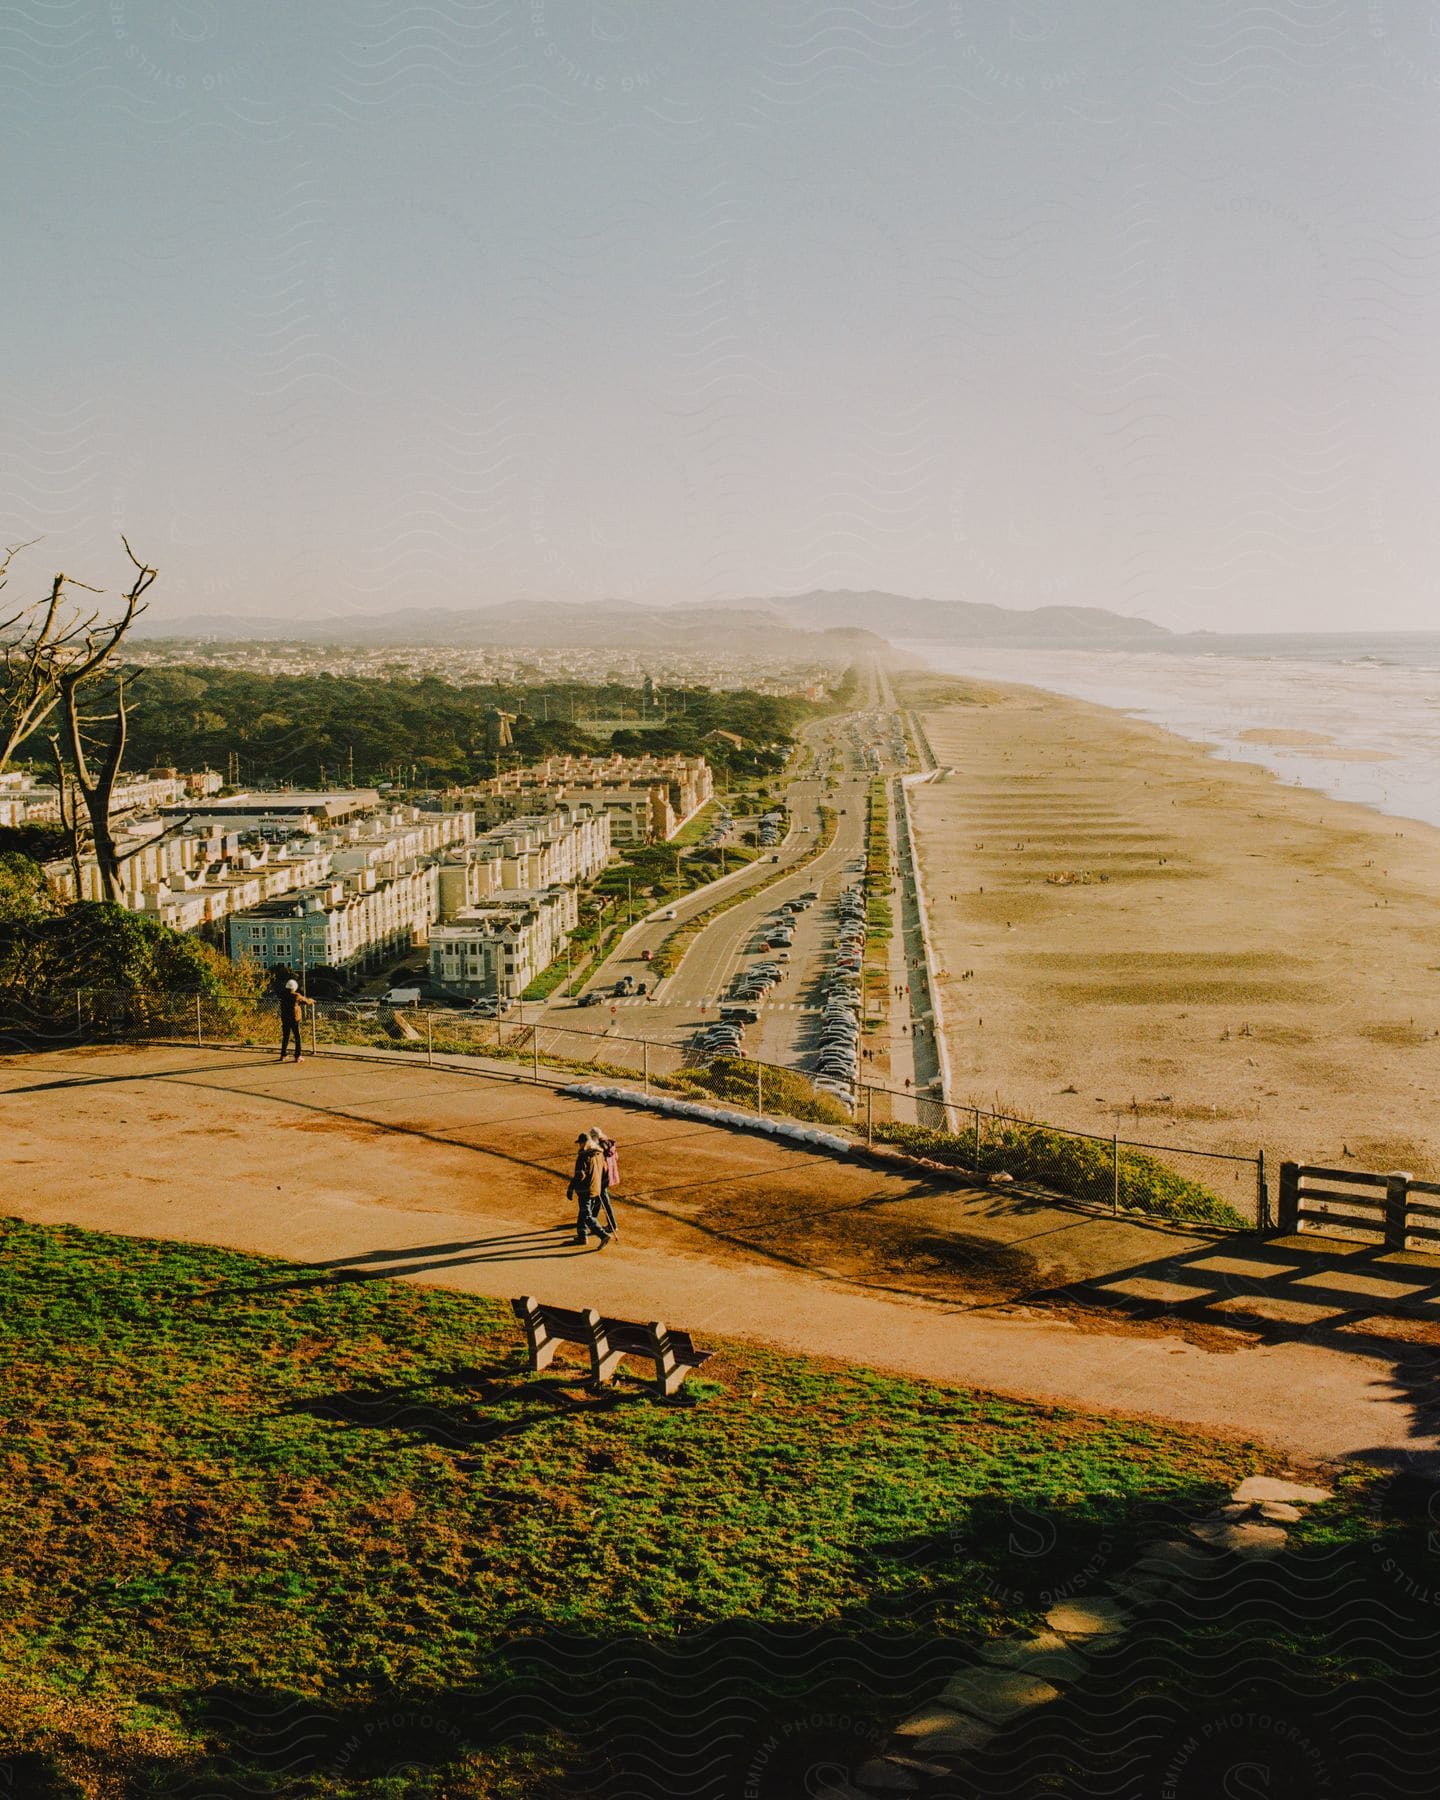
pixel 694 829
pixel 236 1486
pixel 546 982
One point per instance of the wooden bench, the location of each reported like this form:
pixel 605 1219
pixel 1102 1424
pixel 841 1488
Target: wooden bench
pixel 608 1341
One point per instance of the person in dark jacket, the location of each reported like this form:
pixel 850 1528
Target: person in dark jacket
pixel 587 1183
pixel 292 1011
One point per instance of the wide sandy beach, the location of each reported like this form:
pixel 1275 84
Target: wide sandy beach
pixel 1135 934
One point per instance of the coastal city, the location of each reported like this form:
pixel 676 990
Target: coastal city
pixel 719 852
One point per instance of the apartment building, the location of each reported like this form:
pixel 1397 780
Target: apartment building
pixel 353 923
pixel 526 854
pixel 282 812
pixel 25 800
pixel 496 951
pixel 648 798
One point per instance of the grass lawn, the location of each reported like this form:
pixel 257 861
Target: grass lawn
pixel 270 1532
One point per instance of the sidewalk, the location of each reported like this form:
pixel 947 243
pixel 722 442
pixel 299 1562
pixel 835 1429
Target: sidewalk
pixel 431 1175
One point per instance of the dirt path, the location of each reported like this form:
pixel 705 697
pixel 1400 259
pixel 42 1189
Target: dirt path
pixel 456 1179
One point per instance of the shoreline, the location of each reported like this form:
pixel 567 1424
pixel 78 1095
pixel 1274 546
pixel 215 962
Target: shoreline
pixel 1316 724
pixel 1135 935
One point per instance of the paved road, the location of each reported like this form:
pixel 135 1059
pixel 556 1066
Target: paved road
pixel 787 1031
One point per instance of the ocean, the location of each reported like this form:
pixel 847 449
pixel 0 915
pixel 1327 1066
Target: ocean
pixel 1355 716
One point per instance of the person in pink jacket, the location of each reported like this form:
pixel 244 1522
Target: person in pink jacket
pixel 610 1176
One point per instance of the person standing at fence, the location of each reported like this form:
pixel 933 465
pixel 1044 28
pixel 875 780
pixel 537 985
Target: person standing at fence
pixel 609 1177
pixel 292 1011
pixel 586 1182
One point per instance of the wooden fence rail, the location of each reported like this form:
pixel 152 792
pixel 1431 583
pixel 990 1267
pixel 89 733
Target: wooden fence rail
pixel 1393 1209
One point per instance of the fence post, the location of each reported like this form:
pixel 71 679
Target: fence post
pixel 499 1034
pixel 429 1040
pixel 977 1140
pixel 79 1020
pixel 535 1053
pixel 869 1115
pixel 1397 1192
pixel 1289 1220
pixel 760 1089
pixel 199 1033
pixel 1262 1195
pixel 1115 1176
pixel 645 1064
pixel 314 1020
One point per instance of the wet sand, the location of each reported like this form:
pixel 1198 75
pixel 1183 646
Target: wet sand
pixel 1181 947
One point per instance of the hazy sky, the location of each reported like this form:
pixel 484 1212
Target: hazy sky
pixel 339 306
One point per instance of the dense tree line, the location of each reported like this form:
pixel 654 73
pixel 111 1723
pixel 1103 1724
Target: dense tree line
pixel 426 731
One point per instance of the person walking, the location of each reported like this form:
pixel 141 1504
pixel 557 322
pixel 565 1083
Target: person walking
pixel 585 1188
pixel 292 1011
pixel 609 1176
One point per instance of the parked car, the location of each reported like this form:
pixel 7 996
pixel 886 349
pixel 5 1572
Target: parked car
pixel 647 956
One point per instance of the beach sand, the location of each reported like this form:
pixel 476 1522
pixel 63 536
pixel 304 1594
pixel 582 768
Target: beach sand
pixel 1179 947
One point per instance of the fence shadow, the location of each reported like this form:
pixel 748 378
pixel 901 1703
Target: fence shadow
pixel 1358 1299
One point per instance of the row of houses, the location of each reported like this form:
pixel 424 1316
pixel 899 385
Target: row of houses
pixel 27 800
pixel 373 904
pixel 347 880
pixel 648 798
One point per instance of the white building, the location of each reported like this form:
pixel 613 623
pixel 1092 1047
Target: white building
pixel 496 951
pixel 525 855
pixel 354 923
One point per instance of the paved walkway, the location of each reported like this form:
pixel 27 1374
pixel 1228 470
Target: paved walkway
pixel 457 1179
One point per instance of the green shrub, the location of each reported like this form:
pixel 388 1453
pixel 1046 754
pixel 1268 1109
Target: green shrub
pixel 1079 1167
pixel 732 1080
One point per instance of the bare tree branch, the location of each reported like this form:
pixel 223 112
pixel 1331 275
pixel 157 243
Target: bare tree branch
pixel 41 648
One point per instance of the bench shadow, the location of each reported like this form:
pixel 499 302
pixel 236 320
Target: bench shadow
pixel 491 1401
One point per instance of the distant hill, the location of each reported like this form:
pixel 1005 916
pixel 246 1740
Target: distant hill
pixel 820 625
pixel 959 621
pixel 606 624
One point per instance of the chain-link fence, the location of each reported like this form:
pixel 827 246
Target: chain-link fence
pixel 1105 1173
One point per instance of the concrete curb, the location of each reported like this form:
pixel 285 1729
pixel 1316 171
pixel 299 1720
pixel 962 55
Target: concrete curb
pixel 813 1137
pixel 912 860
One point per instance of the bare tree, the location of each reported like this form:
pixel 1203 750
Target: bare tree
pixel 75 659
pixel 85 665
pixel 44 643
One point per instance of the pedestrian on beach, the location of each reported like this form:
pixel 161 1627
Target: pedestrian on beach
pixel 292 1011
pixel 585 1187
pixel 609 1176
